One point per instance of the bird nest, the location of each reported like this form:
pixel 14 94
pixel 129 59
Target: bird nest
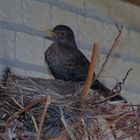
pixel 34 108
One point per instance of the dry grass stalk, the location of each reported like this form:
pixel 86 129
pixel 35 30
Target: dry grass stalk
pixel 48 101
pixel 25 109
pixel 33 118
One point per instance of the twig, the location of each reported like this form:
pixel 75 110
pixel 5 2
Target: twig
pixel 118 86
pixel 106 99
pixel 85 136
pixel 117 39
pixel 16 102
pixel 34 122
pixel 66 125
pixel 34 83
pixel 32 117
pixel 91 71
pixel 63 136
pixel 25 109
pixel 48 101
pixel 126 75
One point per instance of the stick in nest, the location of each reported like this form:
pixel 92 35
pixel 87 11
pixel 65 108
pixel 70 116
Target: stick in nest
pixel 91 71
pixel 48 101
pixel 25 109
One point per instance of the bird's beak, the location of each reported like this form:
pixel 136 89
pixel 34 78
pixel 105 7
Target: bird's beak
pixel 49 34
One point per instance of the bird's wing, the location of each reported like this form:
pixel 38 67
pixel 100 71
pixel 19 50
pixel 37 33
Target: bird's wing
pixel 75 65
pixel 67 63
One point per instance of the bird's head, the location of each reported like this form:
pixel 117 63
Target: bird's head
pixel 61 34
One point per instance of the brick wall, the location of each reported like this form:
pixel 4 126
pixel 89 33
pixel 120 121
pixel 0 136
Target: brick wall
pixel 22 47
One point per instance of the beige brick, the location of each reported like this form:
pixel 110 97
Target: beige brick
pixel 75 3
pixel 100 7
pixel 30 49
pixel 118 68
pixel 90 31
pixel 86 52
pixel 60 16
pixel 133 78
pixel 110 71
pixel 101 59
pixel 108 75
pixel 110 33
pixel 47 43
pixel 11 10
pixel 131 97
pixel 122 12
pixel 117 11
pixel 36 14
pixel 136 21
pixel 7 46
pixel 135 44
pixel 18 71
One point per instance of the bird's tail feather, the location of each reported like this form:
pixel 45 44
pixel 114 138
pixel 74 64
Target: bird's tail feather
pixel 106 92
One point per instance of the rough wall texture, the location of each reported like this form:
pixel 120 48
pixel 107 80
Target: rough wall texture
pixel 22 46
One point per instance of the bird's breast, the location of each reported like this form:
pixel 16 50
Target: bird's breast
pixel 54 55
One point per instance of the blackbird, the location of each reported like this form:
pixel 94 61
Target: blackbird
pixel 67 62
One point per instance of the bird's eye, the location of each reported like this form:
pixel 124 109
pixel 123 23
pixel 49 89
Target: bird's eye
pixel 63 33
